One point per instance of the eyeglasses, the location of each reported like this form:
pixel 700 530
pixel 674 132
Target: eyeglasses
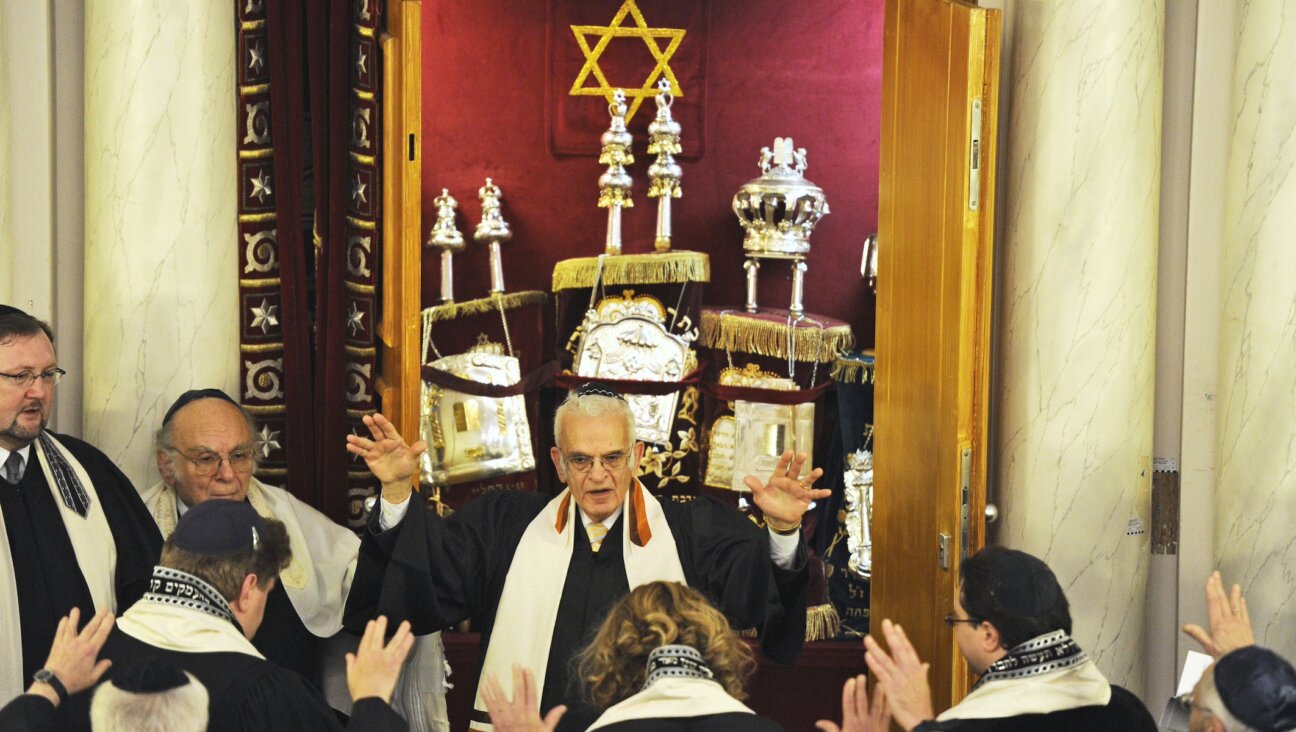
pixel 24 379
pixel 952 620
pixel 208 463
pixel 611 461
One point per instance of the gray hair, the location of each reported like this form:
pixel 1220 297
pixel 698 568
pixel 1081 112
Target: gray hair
pixel 593 405
pixel 1213 704
pixel 183 708
pixel 164 438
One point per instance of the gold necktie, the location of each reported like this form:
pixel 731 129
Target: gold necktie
pixel 596 533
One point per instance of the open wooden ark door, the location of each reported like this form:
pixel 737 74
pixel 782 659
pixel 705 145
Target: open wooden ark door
pixel 935 237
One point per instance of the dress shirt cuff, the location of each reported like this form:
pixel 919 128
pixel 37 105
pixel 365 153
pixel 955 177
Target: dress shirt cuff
pixel 390 514
pixel 783 549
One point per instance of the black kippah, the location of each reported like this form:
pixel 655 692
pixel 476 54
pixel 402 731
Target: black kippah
pixel 1258 687
pixel 218 527
pixel 194 395
pixel 10 310
pixel 591 388
pixel 149 676
pixel 1023 584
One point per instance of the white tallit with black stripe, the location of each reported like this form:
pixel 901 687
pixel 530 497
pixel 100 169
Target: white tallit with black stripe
pixel 92 543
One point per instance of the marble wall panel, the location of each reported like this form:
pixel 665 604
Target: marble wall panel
pixel 1072 419
pixel 161 277
pixel 1256 494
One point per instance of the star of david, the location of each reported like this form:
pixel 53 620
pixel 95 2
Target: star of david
pixel 267 440
pixel 353 320
pixel 618 29
pixel 265 316
pixel 257 56
pixel 358 191
pixel 261 186
pixel 361 58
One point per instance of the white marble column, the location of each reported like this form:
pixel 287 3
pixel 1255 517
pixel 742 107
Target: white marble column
pixel 1072 419
pixel 1256 493
pixel 161 312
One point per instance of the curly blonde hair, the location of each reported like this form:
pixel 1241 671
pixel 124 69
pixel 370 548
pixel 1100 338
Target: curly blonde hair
pixel 614 664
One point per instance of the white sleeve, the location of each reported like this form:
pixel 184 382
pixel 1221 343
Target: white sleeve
pixel 391 514
pixel 783 548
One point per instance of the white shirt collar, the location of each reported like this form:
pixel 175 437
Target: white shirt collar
pixel 607 522
pixel 25 451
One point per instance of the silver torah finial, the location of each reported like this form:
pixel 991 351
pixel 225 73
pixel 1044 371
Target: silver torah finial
pixel 446 237
pixel 493 230
pixel 614 184
pixel 779 211
pixel 859 513
pixel 665 173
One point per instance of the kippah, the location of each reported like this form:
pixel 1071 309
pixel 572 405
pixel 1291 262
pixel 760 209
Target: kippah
pixel 217 527
pixel 194 395
pixel 149 676
pixel 590 388
pixel 1023 584
pixel 10 310
pixel 1258 687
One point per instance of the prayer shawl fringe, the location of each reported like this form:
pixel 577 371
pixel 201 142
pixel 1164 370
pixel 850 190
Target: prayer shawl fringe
pixel 1043 675
pixel 528 606
pixel 92 543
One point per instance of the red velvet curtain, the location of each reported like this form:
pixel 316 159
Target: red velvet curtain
pixel 312 378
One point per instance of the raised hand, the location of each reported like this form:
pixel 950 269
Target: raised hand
pixel 786 497
pixel 902 675
pixel 72 655
pixel 391 460
pixel 522 712
pixel 857 714
pixel 375 667
pixel 1230 623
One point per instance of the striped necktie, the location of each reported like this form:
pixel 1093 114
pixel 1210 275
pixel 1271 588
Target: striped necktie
pixel 13 470
pixel 596 533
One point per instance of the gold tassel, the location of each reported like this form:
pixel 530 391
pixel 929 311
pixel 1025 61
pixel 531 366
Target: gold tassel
pixel 745 334
pixel 453 310
pixel 633 269
pixel 822 622
pixel 851 369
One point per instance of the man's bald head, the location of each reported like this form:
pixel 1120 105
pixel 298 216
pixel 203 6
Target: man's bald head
pixel 205 450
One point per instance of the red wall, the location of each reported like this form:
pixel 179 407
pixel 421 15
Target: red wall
pixel 809 70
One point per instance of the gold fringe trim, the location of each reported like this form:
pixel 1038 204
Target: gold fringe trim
pixel 453 310
pixel 260 347
pixel 255 154
pixel 852 370
pixel 735 332
pixel 256 218
pixel 250 89
pixel 822 622
pixel 633 269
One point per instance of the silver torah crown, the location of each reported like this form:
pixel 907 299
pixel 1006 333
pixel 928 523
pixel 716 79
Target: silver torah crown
pixel 779 209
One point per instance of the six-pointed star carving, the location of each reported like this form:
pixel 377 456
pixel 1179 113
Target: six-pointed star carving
pixel 265 316
pixel 358 191
pixel 354 323
pixel 617 29
pixel 267 440
pixel 261 186
pixel 257 57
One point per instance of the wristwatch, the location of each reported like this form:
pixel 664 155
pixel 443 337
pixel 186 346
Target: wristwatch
pixel 46 676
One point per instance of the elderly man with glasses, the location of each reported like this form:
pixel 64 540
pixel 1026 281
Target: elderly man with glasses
pixel 537 574
pixel 73 532
pixel 205 450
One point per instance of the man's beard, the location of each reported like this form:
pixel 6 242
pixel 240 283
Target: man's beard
pixel 23 435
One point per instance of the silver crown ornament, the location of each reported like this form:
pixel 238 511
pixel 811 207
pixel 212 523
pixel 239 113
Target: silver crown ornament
pixel 779 211
pixel 493 230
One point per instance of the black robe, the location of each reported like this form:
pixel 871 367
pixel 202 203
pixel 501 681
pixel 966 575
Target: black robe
pixel 245 693
pixel 439 572
pixel 1123 712
pixel 49 579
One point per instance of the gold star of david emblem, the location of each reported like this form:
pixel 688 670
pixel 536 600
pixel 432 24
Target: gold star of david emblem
pixel 618 29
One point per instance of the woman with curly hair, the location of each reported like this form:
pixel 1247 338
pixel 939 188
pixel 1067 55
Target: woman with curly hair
pixel 664 659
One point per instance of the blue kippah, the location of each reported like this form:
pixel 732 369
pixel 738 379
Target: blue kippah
pixel 1258 687
pixel 217 527
pixel 194 395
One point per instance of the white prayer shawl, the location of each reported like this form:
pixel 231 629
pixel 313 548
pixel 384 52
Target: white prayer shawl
pixel 1082 685
pixel 528 606
pixel 96 554
pixel 673 697
pixel 177 628
pixel 323 553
